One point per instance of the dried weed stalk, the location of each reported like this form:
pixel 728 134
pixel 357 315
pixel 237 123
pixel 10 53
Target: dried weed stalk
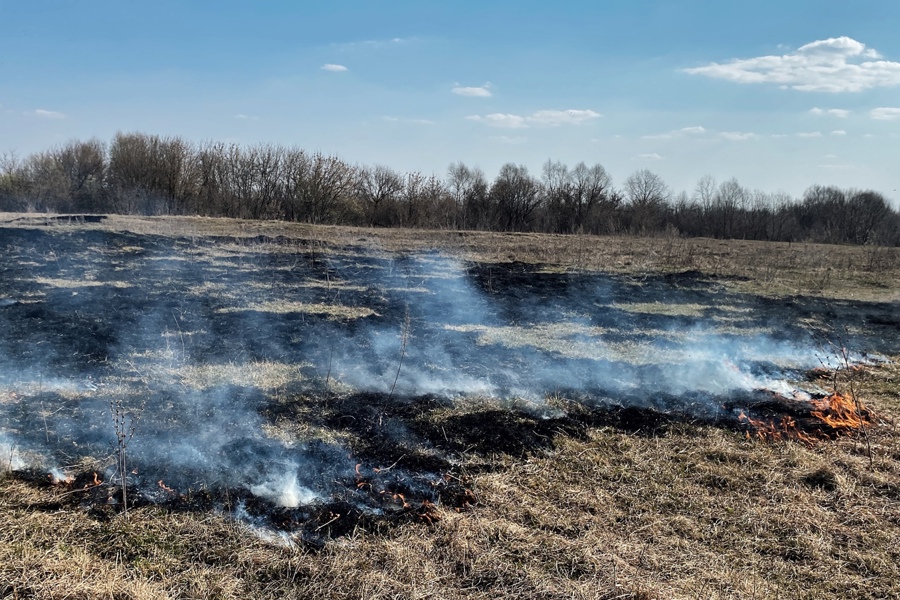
pixel 404 340
pixel 124 426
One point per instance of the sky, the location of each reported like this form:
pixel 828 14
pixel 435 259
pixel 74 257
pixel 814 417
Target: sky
pixel 781 95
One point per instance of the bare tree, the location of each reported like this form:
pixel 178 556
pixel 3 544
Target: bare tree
pixel 470 191
pixel 647 196
pixel 516 196
pixel 379 188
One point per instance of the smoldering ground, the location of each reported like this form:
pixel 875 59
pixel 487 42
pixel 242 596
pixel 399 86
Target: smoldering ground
pixel 290 374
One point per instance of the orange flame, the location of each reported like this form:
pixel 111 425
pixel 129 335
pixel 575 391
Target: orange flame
pixel 64 480
pixel 97 481
pixel 833 415
pixel 784 429
pixel 164 487
pixel 841 412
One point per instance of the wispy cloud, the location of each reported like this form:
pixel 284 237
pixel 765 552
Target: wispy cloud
pixel 501 120
pixel 837 167
pixel 563 117
pixel 334 68
pixel 885 114
pixel 737 136
pixel 650 156
pixel 831 112
pixel 372 44
pixel 698 131
pixel 694 130
pixel 833 65
pixel 243 117
pixel 809 134
pixel 505 139
pixel 391 119
pixel 838 132
pixel 547 118
pixel 482 91
pixel 47 114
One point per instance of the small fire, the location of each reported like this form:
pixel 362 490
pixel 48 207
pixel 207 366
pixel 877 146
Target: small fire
pixel 93 483
pixel 830 416
pixel 772 430
pixel 59 477
pixel 841 412
pixel 165 488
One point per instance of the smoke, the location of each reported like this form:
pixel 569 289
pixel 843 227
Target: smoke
pixel 284 490
pixel 523 342
pixel 10 460
pixel 213 348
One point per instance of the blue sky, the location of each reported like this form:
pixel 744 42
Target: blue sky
pixel 781 95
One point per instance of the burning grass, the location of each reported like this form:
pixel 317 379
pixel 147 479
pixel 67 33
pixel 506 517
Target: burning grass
pixel 395 452
pixel 681 512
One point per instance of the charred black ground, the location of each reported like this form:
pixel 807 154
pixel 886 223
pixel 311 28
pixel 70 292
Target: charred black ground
pixel 392 367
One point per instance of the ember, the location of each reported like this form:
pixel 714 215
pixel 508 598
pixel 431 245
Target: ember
pixel 165 488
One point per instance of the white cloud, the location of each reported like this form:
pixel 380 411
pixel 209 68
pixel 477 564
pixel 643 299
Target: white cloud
pixel 505 139
pixel 831 112
pixel 549 118
pixel 810 134
pixel 834 65
pixel 334 68
pixel 885 114
pixel 737 136
pixel 243 117
pixel 482 91
pixel 779 135
pixel 47 114
pixel 500 120
pixel 695 130
pixel 563 117
pixel 838 132
pixel 832 156
pixel 650 156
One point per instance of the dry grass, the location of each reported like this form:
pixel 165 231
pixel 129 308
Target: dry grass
pixel 693 512
pixel 772 269
pixel 683 511
pixel 778 269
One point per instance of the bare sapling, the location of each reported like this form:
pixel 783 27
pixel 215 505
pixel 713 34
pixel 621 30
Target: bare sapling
pixel 846 373
pixel 404 340
pixel 124 429
pixel 12 452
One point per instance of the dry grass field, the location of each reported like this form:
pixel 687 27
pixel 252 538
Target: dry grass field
pixel 327 412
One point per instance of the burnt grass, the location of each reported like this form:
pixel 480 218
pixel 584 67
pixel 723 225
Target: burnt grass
pixel 78 304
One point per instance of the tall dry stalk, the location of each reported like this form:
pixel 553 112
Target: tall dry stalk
pixel 124 429
pixel 850 374
pixel 404 340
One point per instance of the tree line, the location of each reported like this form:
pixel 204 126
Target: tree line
pixel 138 173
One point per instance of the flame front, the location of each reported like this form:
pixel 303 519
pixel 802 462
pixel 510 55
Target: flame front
pixel 841 412
pixel 830 416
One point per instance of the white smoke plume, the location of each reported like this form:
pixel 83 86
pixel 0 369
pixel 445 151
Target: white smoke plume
pixel 205 342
